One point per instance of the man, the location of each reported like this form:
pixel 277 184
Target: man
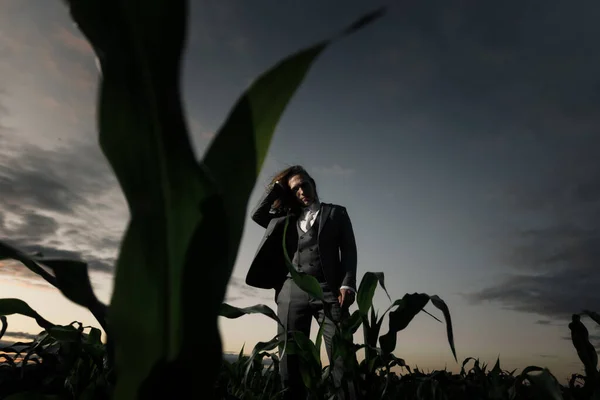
pixel 320 241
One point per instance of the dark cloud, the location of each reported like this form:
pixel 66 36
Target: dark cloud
pixel 95 264
pixel 59 180
pixel 35 225
pixel 9 343
pixel 50 199
pixel 554 295
pixel 553 248
pixel 21 336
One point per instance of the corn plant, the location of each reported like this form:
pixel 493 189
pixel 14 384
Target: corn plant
pixel 64 360
pixel 372 375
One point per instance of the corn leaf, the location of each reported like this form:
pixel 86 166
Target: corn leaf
pixel 441 304
pixel 9 252
pixel 70 277
pixel 16 306
pixel 231 312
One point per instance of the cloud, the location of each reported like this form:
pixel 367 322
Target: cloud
pixel 20 336
pixel 552 249
pixel 60 201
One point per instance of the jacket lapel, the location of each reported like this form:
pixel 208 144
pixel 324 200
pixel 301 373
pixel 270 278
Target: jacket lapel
pixel 323 216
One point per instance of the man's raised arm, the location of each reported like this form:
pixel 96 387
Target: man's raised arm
pixel 262 214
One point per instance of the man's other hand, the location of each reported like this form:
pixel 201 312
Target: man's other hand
pixel 346 297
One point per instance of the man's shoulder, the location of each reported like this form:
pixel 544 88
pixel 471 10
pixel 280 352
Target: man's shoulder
pixel 334 206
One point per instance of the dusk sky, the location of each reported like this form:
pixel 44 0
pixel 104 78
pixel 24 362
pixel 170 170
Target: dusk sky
pixel 462 137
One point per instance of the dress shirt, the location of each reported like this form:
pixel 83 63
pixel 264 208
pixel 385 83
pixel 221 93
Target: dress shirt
pixel 309 215
pixel 307 219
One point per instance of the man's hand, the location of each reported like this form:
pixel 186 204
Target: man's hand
pixel 346 297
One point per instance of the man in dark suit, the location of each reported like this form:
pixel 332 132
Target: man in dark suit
pixel 320 241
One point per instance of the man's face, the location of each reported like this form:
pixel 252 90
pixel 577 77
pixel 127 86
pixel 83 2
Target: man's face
pixel 303 189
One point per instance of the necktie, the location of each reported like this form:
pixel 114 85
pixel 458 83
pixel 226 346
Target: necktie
pixel 307 220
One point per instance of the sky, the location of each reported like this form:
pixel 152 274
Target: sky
pixel 462 139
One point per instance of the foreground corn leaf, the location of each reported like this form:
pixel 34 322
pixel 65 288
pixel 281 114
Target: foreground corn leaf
pixel 186 218
pixel 16 306
pixel 174 235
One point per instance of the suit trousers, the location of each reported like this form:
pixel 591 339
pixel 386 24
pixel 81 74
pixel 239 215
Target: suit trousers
pixel 296 309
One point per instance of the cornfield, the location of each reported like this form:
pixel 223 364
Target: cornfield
pixel 186 222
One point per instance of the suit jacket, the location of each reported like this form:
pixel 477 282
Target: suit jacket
pixel 337 246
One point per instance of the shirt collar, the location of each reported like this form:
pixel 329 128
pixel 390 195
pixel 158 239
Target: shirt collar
pixel 313 207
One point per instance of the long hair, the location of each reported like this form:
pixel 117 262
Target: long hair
pixel 288 200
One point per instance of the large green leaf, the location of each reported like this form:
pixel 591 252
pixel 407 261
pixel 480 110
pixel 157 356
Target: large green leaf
pixel 16 306
pixel 143 135
pixel 251 124
pixel 186 218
